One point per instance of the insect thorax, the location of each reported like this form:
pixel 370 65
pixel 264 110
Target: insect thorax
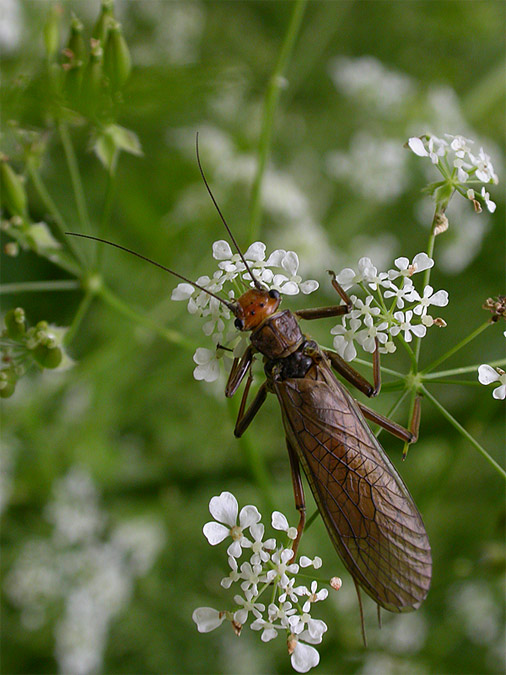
pixel 278 336
pixel 296 365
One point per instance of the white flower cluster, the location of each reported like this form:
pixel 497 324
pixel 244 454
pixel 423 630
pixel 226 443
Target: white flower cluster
pixel 279 272
pixel 269 569
pixel 373 319
pixel 83 574
pixel 487 375
pixel 455 159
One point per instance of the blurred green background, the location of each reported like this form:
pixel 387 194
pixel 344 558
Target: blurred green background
pixel 108 468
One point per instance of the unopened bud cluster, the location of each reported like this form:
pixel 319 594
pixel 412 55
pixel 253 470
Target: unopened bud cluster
pixel 23 347
pixel 271 572
pixel 95 68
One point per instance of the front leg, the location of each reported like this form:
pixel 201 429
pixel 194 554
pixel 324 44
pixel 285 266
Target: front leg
pixel 333 310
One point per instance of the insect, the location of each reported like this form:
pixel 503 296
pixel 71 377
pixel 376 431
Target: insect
pixel 369 514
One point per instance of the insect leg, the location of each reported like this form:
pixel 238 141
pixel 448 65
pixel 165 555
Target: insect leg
pixel 353 376
pixel 238 372
pixel 298 491
pixel 244 419
pixel 334 310
pixel 409 435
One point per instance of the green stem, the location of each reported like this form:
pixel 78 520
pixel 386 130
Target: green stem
pixel 426 277
pixel 456 348
pixel 75 176
pixel 311 520
pixel 269 111
pixel 463 431
pixel 106 212
pixel 459 382
pixel 39 286
pixel 171 336
pixel 462 371
pixel 254 459
pixel 388 371
pixel 49 204
pixel 79 316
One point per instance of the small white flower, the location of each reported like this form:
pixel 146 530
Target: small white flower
pixel 484 169
pixel 224 509
pixel 361 308
pixel 279 522
pixel 234 575
pixel 371 333
pixel 439 299
pixel 208 367
pixel 281 612
pixel 421 262
pixel 269 631
pixel 304 561
pixel 260 549
pixel 345 337
pixel 314 596
pixel 207 619
pixel 405 292
pixel 491 206
pixel 487 375
pixel 252 575
pixel 405 324
pixel 388 348
pixel 281 560
pixel 247 604
pixel 315 627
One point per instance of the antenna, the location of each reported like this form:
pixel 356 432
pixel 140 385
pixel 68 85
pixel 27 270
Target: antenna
pixel 230 305
pixel 258 285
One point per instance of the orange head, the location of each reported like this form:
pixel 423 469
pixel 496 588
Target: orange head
pixel 254 306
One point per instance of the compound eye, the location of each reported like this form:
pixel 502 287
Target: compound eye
pixel 274 294
pixel 239 324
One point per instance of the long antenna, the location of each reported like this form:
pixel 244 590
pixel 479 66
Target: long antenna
pixel 230 305
pixel 255 281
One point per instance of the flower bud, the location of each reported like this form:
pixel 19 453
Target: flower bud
pixel 336 583
pixel 47 357
pixel 117 60
pixel 52 31
pixel 76 53
pixel 76 43
pixel 104 21
pixel 8 379
pixel 93 78
pixel 15 323
pixel 12 190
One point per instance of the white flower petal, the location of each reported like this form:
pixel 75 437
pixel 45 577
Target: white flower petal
pixel 182 292
pixel 416 144
pixel 207 619
pixel 224 508
pixel 304 657
pixel 215 533
pixel 256 251
pixel 249 516
pixel 290 288
pixel 275 258
pixel 309 286
pixel 487 374
pixel 279 521
pixel 500 392
pixel 290 262
pixel 222 250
